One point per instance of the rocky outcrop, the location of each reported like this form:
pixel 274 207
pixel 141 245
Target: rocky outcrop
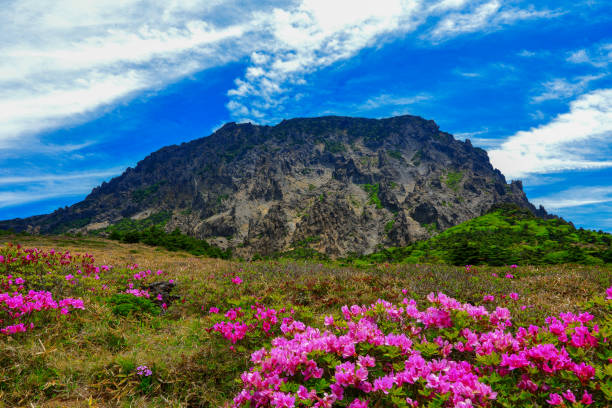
pixel 336 184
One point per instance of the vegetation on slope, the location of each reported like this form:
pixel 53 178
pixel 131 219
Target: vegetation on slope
pixel 150 231
pixel 506 235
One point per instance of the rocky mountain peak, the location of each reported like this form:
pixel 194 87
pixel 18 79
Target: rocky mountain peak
pixel 335 184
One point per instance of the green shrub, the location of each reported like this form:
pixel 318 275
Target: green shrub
pixel 125 304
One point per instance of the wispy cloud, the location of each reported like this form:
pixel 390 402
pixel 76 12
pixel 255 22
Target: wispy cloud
pixel 574 140
pixel 64 61
pixel 489 15
pixel 599 55
pixel 319 33
pixel 17 190
pixel 561 88
pixel 40 178
pixel 576 197
pixel 391 101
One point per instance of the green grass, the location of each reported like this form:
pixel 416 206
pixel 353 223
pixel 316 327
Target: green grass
pixel 89 359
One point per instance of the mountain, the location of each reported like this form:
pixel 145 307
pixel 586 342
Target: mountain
pixel 338 185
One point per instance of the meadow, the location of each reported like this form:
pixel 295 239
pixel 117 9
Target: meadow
pixel 90 322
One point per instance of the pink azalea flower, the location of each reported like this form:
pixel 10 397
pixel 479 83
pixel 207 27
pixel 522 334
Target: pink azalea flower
pixel 569 395
pixel 554 399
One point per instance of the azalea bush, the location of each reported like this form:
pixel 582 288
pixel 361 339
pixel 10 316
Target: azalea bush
pixel 26 276
pixel 449 354
pixel 38 286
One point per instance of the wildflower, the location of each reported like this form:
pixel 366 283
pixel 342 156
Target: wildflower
pixel 609 293
pixel 555 399
pixel 69 277
pixel 513 266
pixel 514 296
pixel 488 298
pixel 587 398
pixel 213 310
pixel 143 371
pixel 569 395
pixel 282 400
pixel 509 276
pixel 357 403
pixel 236 280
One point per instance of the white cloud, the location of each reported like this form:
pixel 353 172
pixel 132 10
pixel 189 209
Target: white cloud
pixel 31 188
pixel 599 56
pixel 572 140
pixel 386 100
pixel 11 198
pixel 488 15
pixel 576 197
pixel 319 33
pixel 66 60
pixel 561 88
pixel 42 178
pixel 527 54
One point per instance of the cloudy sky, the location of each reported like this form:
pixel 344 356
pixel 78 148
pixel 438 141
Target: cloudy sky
pixel 90 88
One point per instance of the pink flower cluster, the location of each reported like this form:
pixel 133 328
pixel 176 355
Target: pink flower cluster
pixel 17 306
pixel 240 321
pixel 358 355
pixel 143 371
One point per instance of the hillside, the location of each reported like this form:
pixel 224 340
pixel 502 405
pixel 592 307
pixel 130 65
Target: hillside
pixel 337 185
pixel 506 235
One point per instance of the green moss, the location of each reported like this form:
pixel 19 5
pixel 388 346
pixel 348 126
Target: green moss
pixel 452 179
pixel 334 147
pixel 389 226
pixel 395 154
pixel 142 194
pixel 372 190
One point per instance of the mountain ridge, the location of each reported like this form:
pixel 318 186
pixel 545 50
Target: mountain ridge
pixel 345 185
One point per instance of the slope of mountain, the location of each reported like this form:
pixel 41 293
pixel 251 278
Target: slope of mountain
pixel 506 235
pixel 339 185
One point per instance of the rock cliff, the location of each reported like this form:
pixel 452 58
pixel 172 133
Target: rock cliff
pixel 335 184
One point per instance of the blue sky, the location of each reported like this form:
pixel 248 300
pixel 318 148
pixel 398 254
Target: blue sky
pixel 90 88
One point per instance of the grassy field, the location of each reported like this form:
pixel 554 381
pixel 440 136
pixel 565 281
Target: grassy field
pixel 90 356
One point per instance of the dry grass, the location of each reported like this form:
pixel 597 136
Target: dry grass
pixel 86 362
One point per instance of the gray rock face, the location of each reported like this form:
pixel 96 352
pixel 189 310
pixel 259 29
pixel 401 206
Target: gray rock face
pixel 336 184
